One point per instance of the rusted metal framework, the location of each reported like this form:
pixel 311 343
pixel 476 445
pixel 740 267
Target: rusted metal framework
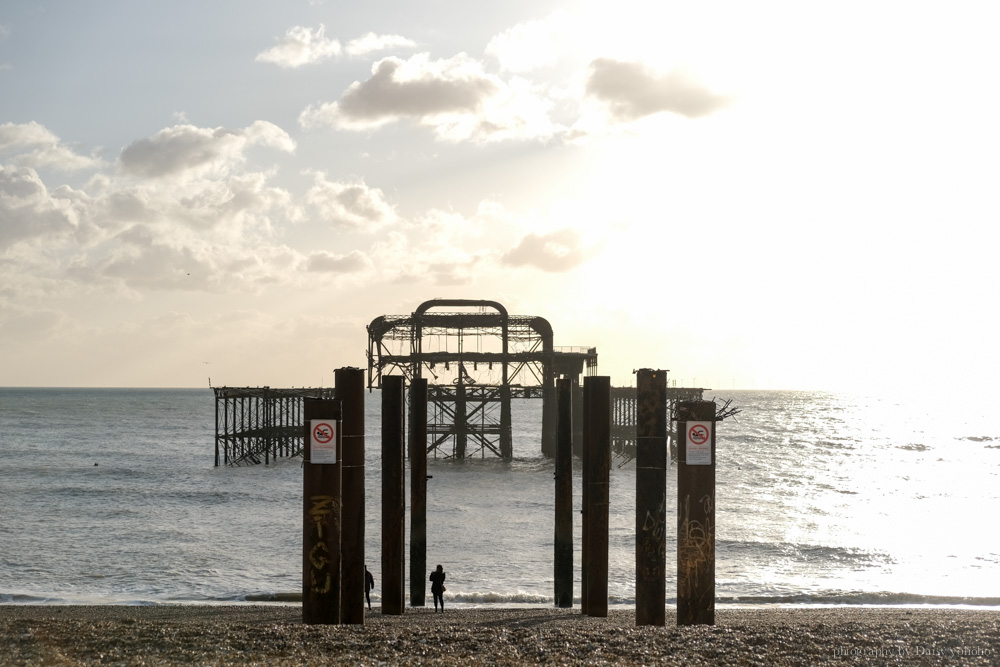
pixel 258 424
pixel 476 357
pixel 623 418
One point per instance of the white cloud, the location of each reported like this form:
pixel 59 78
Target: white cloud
pixel 350 205
pixel 631 91
pixel 301 46
pixel 456 97
pixel 372 43
pixel 182 213
pixel 326 262
pixel 43 148
pixel 555 252
pixel 529 45
pixel 186 151
pixel 28 211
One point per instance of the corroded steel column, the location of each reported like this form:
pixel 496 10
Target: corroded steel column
pixel 393 488
pixel 585 498
pixel 599 455
pixel 349 388
pixel 418 491
pixel 321 523
pixel 563 570
pixel 696 513
pixel 461 422
pixel 650 497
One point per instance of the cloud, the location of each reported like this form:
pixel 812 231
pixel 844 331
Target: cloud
pixel 301 46
pixel 28 211
pixel 43 148
pixel 454 96
pixel 181 212
pixel 325 262
pixel 555 252
pixel 529 45
pixel 632 91
pixel 350 205
pixel 147 257
pixel 187 151
pixel 372 43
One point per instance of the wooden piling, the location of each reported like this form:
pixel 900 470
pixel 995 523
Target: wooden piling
pixel 418 491
pixel 393 488
pixel 599 455
pixel 563 556
pixel 349 388
pixel 321 523
pixel 650 497
pixel 696 513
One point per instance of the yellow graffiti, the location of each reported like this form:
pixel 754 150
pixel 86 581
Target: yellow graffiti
pixel 325 588
pixel 322 508
pixel 319 556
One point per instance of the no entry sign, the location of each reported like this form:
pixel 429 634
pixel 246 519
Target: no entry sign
pixel 322 441
pixel 698 444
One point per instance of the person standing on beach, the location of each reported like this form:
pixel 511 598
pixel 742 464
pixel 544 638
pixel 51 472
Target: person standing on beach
pixel 369 585
pixel 437 587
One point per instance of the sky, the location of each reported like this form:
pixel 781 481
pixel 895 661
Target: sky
pixel 769 195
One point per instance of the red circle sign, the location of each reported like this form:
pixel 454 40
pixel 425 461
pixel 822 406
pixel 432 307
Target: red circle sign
pixel 322 433
pixel 698 434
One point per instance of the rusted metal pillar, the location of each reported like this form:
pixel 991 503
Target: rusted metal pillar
pixel 349 389
pixel 650 497
pixel 563 570
pixel 599 455
pixel 578 413
pixel 585 473
pixel 321 517
pixel 461 422
pixel 549 412
pixel 393 488
pixel 418 491
pixel 696 513
pixel 506 442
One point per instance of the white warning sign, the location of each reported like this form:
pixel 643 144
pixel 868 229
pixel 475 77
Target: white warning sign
pixel 323 441
pixel 698 444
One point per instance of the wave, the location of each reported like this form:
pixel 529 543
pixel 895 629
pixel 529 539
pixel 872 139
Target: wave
pixel 860 598
pixel 523 599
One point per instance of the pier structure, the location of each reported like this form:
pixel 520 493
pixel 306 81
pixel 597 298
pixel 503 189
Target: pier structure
pixel 623 419
pixel 256 425
pixel 477 358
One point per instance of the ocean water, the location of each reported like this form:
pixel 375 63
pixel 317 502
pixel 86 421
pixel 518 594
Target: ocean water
pixel 110 496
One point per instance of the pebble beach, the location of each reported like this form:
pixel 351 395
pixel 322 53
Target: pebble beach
pixel 275 635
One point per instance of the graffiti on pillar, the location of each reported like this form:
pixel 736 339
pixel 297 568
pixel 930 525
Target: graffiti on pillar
pixel 696 552
pixel 654 533
pixel 322 513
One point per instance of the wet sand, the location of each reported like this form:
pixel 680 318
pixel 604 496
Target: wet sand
pixel 275 635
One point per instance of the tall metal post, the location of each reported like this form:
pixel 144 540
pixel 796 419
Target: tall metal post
pixel 599 425
pixel 506 438
pixel 585 473
pixel 563 570
pixel 393 488
pixel 349 389
pixel 321 522
pixel 650 497
pixel 696 513
pixel 418 491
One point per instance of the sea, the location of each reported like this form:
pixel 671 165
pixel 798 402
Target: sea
pixel 112 496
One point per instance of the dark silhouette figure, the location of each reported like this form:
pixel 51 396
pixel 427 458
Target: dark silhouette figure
pixel 369 585
pixel 437 587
